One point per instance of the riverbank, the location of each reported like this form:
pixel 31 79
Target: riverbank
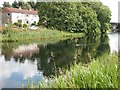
pixel 44 33
pixel 100 73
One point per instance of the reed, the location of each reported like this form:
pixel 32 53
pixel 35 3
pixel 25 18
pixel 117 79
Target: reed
pixel 100 73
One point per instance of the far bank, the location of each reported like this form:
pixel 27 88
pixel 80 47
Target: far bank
pixel 16 35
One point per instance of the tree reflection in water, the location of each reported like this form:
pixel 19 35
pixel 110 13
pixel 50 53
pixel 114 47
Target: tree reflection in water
pixel 51 58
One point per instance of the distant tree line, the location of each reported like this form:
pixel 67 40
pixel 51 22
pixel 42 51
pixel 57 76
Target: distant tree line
pixel 21 4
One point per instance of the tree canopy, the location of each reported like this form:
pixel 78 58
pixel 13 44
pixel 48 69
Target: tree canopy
pixel 86 17
pixel 6 4
pixel 24 5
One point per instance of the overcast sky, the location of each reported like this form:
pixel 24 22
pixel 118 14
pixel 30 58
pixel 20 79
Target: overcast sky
pixel 112 4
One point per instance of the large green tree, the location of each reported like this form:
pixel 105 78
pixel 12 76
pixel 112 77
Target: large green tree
pixel 87 17
pixel 103 14
pixel 32 4
pixel 24 5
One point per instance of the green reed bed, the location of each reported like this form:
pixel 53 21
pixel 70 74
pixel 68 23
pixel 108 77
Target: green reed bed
pixel 100 73
pixel 20 35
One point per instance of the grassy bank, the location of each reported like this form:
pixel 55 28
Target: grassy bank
pixel 100 73
pixel 20 35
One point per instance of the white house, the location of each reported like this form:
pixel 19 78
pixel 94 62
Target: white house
pixel 12 15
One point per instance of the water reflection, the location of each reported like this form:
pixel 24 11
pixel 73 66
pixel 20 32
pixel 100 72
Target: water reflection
pixel 17 73
pixel 32 59
pixel 114 42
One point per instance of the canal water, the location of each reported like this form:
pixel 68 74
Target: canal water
pixel 23 62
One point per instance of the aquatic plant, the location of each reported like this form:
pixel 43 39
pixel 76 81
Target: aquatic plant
pixel 100 73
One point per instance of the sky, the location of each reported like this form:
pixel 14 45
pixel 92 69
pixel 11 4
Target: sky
pixel 112 4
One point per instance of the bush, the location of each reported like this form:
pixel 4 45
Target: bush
pixel 19 21
pixel 16 24
pixel 24 25
pixel 19 25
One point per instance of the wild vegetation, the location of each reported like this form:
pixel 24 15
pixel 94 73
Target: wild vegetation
pixel 100 73
pixel 11 35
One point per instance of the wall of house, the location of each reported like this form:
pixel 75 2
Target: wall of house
pixel 26 18
pixel 6 18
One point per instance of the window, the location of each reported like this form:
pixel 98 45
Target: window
pixel 8 14
pixel 27 15
pixel 27 22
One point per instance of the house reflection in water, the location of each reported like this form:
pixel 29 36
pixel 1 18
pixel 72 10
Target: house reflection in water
pixel 23 51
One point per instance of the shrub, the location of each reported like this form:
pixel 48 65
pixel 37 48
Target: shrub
pixel 19 21
pixel 16 24
pixel 19 25
pixel 24 25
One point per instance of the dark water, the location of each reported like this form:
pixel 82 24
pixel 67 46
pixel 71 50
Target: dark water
pixel 20 62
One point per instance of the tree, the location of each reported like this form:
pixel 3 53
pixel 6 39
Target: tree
pixel 27 6
pixel 32 4
pixel 68 16
pixel 24 5
pixel 15 4
pixel 103 14
pixel 6 4
pixel 86 17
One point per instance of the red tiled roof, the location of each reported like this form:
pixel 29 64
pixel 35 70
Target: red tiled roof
pixel 16 10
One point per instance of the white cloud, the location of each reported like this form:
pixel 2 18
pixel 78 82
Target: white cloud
pixel 28 69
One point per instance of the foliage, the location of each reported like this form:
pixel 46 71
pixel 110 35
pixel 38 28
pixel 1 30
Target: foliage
pixel 103 14
pixel 42 33
pixel 32 4
pixel 15 4
pixel 7 28
pixel 33 23
pixel 24 5
pixel 19 23
pixel 16 24
pixel 6 4
pixel 24 25
pixel 100 73
pixel 74 16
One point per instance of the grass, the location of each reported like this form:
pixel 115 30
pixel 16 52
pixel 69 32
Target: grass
pixel 100 73
pixel 43 33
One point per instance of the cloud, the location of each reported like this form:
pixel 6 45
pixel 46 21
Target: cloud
pixel 28 69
